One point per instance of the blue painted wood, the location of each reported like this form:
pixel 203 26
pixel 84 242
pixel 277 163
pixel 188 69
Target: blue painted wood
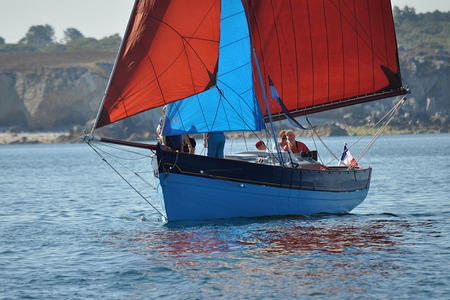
pixel 334 179
pixel 187 197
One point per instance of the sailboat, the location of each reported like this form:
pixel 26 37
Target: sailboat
pixel 215 64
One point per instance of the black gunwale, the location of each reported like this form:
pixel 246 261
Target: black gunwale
pixel 334 179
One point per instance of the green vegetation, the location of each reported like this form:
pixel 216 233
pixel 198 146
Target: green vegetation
pixel 41 38
pixel 39 35
pixel 427 30
pixel 364 130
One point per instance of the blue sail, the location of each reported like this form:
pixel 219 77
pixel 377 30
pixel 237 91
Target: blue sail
pixel 231 105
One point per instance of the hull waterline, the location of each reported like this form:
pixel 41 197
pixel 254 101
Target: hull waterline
pixel 200 188
pixel 192 198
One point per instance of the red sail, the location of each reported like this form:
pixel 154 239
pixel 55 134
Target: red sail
pixel 167 55
pixel 324 54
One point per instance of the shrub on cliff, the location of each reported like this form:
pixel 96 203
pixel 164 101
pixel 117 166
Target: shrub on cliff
pixel 429 30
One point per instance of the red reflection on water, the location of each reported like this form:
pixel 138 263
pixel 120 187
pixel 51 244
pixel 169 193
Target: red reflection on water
pixel 333 239
pixel 376 235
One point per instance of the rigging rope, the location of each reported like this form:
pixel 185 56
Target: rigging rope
pixel 320 139
pixel 389 115
pixel 392 113
pixel 124 166
pixel 123 149
pixel 315 146
pixel 124 179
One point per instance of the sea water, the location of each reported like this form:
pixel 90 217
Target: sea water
pixel 71 228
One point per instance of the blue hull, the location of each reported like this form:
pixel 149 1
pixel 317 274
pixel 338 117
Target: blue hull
pixel 194 198
pixel 196 187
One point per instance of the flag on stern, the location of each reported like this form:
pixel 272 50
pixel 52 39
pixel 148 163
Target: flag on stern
pixel 347 158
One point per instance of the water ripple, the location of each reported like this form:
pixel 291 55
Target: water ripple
pixel 70 230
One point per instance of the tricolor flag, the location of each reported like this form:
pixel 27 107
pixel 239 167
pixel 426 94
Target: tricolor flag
pixel 347 158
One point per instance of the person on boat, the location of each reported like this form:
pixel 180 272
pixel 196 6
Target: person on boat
pixel 215 142
pixel 296 146
pixel 172 142
pixel 264 156
pixel 159 128
pixel 261 146
pixel 189 144
pixel 282 142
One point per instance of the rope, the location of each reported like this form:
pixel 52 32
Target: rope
pixel 144 180
pixel 124 166
pixel 320 139
pixel 392 113
pixel 124 179
pixel 314 141
pixel 123 149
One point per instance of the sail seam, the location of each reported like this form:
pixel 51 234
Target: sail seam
pixel 375 51
pixel 357 47
pixel 328 50
pixel 278 47
pixel 156 77
pixel 234 109
pixel 384 35
pixel 343 50
pixel 232 70
pixel 312 52
pixel 232 15
pixel 186 39
pixel 371 48
pixel 233 42
pixel 259 36
pixel 297 73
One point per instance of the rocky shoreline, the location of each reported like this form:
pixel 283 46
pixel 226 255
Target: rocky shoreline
pixel 44 95
pixel 74 136
pixel 7 138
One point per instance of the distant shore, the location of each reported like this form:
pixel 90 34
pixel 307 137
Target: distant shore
pixel 66 137
pixel 33 137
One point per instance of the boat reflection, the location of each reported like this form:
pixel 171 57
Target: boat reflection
pixel 277 238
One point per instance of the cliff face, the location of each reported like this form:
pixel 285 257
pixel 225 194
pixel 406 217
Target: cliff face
pixel 59 97
pixel 427 75
pixel 57 91
pixel 12 106
pixel 45 92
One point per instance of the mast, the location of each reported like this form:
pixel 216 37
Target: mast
pixel 280 157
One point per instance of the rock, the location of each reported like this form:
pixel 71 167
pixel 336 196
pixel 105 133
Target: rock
pixel 12 108
pixel 62 91
pixel 331 129
pixel 14 129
